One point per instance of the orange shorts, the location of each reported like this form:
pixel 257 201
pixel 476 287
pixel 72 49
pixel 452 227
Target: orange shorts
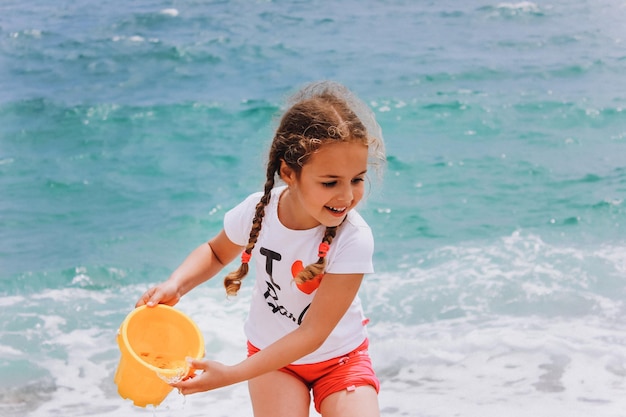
pixel 324 378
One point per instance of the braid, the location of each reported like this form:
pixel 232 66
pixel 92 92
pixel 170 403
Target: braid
pixel 317 268
pixel 232 281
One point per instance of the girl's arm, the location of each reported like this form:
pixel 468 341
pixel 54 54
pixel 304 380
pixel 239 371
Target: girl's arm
pixel 332 300
pixel 202 264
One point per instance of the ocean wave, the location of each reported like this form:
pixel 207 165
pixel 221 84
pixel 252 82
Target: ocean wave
pixel 518 276
pixel 169 12
pixel 481 364
pixel 61 351
pixel 503 359
pixel 22 398
pixel 514 10
pixel 153 20
pixel 569 113
pixel 502 366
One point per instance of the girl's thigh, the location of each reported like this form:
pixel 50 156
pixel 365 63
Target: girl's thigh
pixel 278 394
pixel 362 402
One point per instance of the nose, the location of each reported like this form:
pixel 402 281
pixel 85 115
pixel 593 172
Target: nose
pixel 346 194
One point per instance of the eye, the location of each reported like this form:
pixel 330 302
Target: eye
pixel 358 180
pixel 329 184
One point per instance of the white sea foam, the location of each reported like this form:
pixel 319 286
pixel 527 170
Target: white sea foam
pixel 523 6
pixel 481 364
pixel 475 324
pixel 8 351
pixel 169 12
pixel 11 300
pixel 519 274
pixel 83 372
pixel 516 9
pixel 502 366
pixel 133 38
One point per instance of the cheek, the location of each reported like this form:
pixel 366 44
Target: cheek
pixel 359 192
pixel 316 197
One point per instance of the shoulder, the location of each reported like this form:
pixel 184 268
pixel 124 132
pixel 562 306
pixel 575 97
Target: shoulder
pixel 355 224
pixel 353 247
pixel 238 220
pixel 356 220
pixel 253 199
pixel 355 232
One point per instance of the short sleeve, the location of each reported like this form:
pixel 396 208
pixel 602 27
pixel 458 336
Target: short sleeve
pixel 238 220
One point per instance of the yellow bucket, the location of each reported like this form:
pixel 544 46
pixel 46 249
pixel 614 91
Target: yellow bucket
pixel 155 342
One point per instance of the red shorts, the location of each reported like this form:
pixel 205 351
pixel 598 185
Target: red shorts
pixel 324 378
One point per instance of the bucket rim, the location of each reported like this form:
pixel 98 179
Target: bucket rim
pixel 124 335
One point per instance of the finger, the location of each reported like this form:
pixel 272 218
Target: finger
pixel 191 385
pixel 198 364
pixel 188 386
pixel 142 301
pixel 148 298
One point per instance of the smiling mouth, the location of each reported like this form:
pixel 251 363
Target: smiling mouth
pixel 337 210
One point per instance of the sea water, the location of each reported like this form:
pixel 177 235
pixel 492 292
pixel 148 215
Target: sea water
pixel 128 129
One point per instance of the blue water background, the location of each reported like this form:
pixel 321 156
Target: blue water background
pixel 127 129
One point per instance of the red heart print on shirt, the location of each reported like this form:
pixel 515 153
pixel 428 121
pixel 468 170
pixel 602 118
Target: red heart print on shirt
pixel 309 286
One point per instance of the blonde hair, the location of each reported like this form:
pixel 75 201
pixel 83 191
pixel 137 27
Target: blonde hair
pixel 320 113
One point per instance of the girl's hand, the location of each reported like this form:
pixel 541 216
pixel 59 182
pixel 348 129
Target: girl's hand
pixel 213 375
pixel 165 293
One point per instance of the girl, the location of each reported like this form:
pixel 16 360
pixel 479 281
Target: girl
pixel 305 328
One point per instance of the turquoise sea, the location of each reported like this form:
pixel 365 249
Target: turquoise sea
pixel 128 128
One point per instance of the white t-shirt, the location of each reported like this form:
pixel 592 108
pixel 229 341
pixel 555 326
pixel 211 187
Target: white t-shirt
pixel 278 305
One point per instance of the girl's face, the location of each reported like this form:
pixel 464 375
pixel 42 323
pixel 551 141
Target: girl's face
pixel 330 184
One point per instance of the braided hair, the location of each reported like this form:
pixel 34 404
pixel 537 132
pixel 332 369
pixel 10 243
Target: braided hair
pixel 321 113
